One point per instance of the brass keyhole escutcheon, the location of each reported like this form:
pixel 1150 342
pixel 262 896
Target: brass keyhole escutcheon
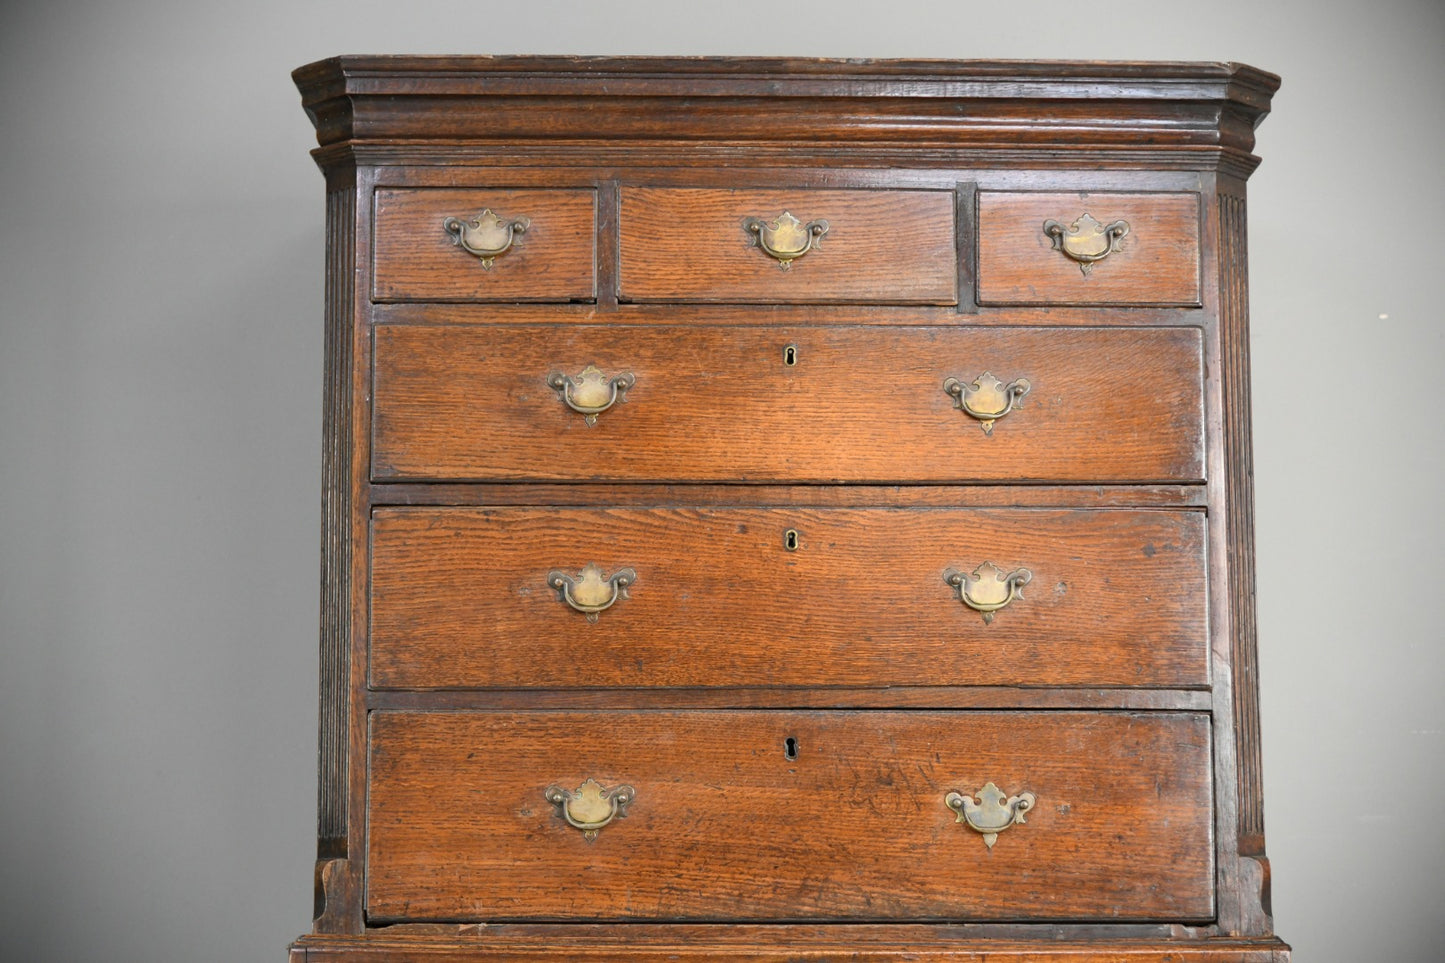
pixel 790 355
pixel 791 539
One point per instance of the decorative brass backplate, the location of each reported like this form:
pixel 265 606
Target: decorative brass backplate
pixel 989 589
pixel 992 813
pixel 591 591
pixel 785 238
pixel 591 392
pixel 590 807
pixel 987 399
pixel 1086 240
pixel 485 236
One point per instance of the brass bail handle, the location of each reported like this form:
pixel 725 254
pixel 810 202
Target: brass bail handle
pixel 1086 241
pixel 987 399
pixel 785 238
pixel 487 235
pixel 992 812
pixel 590 807
pixel 591 392
pixel 591 591
pixel 989 588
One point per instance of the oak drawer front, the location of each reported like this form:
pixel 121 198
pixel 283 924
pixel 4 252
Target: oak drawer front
pixel 722 403
pixel 704 815
pixel 501 597
pixel 689 244
pixel 1088 248
pixel 485 245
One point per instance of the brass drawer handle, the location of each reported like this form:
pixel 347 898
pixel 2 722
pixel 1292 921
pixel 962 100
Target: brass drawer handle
pixel 785 238
pixel 592 590
pixel 989 589
pixel 590 807
pixel 992 813
pixel 591 392
pixel 487 235
pixel 1086 240
pixel 987 399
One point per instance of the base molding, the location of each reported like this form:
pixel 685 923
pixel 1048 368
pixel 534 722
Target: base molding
pixel 779 947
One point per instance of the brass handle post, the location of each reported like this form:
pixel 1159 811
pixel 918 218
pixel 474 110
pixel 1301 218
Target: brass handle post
pixel 485 236
pixel 992 812
pixel 785 238
pixel 591 591
pixel 591 392
pixel 986 399
pixel 989 588
pixel 1086 241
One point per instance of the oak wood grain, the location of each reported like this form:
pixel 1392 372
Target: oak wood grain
pixel 725 826
pixel 416 259
pixel 460 598
pixel 1157 262
pixel 720 404
pixel 881 246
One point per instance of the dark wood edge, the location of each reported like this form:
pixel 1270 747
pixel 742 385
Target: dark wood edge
pixel 570 494
pixel 860 699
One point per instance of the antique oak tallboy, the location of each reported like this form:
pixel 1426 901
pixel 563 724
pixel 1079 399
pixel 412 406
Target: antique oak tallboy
pixel 787 510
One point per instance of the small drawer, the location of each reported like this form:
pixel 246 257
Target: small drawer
pixel 1093 248
pixel 795 405
pixel 690 597
pixel 884 247
pixel 485 245
pixel 792 815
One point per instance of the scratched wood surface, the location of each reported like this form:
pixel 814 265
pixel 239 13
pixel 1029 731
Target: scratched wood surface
pixel 881 246
pixel 460 598
pixel 721 404
pixel 416 259
pixel 1157 262
pixel 725 826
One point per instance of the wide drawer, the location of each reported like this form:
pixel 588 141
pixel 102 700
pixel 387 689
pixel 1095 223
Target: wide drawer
pixel 814 404
pixel 485 245
pixel 745 815
pixel 1088 248
pixel 479 597
pixel 690 244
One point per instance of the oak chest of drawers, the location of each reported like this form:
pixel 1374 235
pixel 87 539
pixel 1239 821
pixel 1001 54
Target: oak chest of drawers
pixel 787 510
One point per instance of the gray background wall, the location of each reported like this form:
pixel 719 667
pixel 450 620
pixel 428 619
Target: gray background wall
pixel 160 366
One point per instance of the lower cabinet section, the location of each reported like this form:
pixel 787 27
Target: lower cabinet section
pixel 789 816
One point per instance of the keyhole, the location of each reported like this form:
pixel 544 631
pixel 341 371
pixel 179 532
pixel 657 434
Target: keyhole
pixel 790 355
pixel 790 747
pixel 790 540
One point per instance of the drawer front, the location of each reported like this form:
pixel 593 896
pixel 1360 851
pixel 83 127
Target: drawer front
pixel 861 246
pixel 716 403
pixel 467 598
pixel 1095 248
pixel 443 245
pixel 793 815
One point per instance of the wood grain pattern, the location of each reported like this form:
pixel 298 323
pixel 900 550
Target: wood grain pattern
pixel 758 944
pixel 856 825
pixel 719 404
pixel 881 246
pixel 1157 261
pixel 460 598
pixel 416 259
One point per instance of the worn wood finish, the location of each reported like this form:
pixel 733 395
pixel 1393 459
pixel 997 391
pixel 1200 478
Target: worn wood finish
pixel 857 826
pixel 694 944
pixel 838 496
pixel 1133 423
pixel 881 246
pixel 416 259
pixel 722 405
pixel 460 598
pixel 1157 262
